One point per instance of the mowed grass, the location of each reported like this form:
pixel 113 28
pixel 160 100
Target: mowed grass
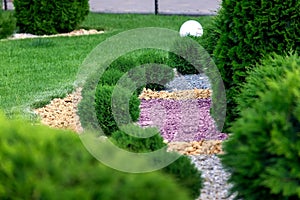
pixel 34 71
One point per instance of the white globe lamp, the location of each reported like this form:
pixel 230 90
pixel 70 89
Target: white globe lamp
pixel 192 28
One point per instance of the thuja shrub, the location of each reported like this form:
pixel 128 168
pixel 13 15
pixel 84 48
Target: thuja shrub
pixel 211 36
pixel 140 144
pixel 109 107
pixel 185 172
pixel 50 16
pixel 147 68
pixel 42 163
pixel 7 24
pixel 271 68
pixel 111 77
pixel 186 56
pixel 264 150
pixel 157 72
pixel 249 31
pixel 124 63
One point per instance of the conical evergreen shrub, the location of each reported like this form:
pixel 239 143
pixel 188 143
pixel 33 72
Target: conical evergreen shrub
pixel 263 152
pixel 249 31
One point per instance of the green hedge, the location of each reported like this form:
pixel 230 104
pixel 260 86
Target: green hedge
pixel 42 163
pixel 50 16
pixel 249 31
pixel 145 66
pixel 104 108
pixel 271 68
pixel 264 150
pixel 137 144
pixel 7 24
pixel 111 77
pixel 185 172
pixel 185 50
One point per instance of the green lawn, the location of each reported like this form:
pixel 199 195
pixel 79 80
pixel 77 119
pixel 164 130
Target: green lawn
pixel 34 71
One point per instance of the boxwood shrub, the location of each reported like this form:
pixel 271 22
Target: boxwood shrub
pixel 50 16
pixel 264 150
pixel 249 31
pixel 42 163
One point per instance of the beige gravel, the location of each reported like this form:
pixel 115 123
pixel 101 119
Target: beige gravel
pixel 178 95
pixel 62 113
pixel 73 33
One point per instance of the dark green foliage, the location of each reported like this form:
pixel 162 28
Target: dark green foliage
pixel 186 56
pixel 138 144
pixel 263 152
pixel 42 163
pixel 186 174
pixel 111 77
pixel 182 169
pixel 157 73
pixel 157 76
pixel 124 63
pixel 7 24
pixel 271 68
pixel 106 113
pixel 50 16
pixel 249 31
pixel 211 36
pixel 147 68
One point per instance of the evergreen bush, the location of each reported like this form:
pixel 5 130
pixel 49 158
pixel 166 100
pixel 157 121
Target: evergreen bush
pixel 42 163
pixel 7 24
pixel 263 152
pixel 185 172
pixel 104 108
pixel 211 36
pixel 271 68
pixel 157 73
pixel 145 66
pixel 249 31
pixel 111 77
pixel 138 144
pixel 50 16
pixel 184 50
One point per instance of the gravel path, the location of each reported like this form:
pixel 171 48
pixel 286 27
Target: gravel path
pixel 214 176
pixel 61 113
pixel 189 82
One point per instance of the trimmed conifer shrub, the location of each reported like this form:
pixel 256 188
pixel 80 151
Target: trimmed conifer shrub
pixel 42 163
pixel 271 68
pixel 137 144
pixel 187 56
pixel 109 107
pixel 263 152
pixel 249 31
pixel 185 172
pixel 50 16
pixel 7 24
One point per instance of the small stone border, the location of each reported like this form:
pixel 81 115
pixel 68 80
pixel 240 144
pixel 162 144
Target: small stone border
pixel 178 95
pixel 73 33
